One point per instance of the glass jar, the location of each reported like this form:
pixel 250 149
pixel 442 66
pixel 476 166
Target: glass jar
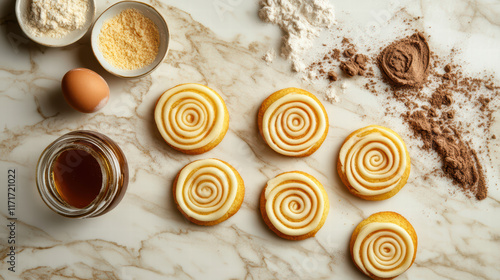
pixel 82 174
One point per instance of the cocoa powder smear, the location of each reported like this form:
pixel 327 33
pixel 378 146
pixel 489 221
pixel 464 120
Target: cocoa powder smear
pixel 406 62
pixel 460 162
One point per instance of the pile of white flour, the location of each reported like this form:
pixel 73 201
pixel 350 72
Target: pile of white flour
pixel 301 21
pixel 56 18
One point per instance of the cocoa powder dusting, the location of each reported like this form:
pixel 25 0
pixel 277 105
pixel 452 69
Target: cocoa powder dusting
pixel 440 98
pixel 332 76
pixel 436 95
pixel 349 52
pixel 336 54
pixel 356 65
pixel 460 162
pixel 405 65
pixel 352 63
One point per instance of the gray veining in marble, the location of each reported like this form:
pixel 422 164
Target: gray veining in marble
pixel 145 237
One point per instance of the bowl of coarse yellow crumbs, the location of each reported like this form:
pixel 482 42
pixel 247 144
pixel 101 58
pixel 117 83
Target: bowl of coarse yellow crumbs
pixel 130 39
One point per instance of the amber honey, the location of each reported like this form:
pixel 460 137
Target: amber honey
pixel 78 177
pixel 82 174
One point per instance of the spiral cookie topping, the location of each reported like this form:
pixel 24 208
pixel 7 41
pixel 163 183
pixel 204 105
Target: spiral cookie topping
pixel 293 122
pixel 295 204
pixel 374 161
pixel 206 190
pixel 383 249
pixel 191 117
pixel 406 62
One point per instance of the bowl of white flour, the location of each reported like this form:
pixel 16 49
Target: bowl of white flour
pixel 55 23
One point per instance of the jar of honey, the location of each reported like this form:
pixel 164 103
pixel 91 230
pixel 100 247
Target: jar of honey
pixel 82 174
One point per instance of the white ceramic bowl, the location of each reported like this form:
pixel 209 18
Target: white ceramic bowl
pixel 149 12
pixel 22 8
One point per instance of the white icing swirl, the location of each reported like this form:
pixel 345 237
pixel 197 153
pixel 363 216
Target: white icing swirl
pixel 294 203
pixel 190 116
pixel 383 249
pixel 373 160
pixel 206 189
pixel 293 124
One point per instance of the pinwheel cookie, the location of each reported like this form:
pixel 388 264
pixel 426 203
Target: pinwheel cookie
pixel 293 122
pixel 384 245
pixel 191 118
pixel 294 205
pixel 208 191
pixel 374 163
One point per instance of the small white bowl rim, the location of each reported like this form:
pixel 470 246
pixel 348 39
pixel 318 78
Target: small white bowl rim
pixel 40 40
pixel 95 47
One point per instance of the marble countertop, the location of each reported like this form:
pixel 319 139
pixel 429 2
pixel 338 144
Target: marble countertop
pixel 220 43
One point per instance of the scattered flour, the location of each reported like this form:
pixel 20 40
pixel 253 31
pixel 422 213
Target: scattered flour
pixel 312 75
pixel 331 95
pixel 269 56
pixel 56 18
pixel 301 21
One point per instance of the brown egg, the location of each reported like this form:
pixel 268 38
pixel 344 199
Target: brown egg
pixel 85 90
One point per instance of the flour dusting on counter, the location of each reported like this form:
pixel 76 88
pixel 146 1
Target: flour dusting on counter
pixel 301 23
pixel 269 56
pixel 331 95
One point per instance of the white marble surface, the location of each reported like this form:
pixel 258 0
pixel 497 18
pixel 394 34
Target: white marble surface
pixel 145 237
